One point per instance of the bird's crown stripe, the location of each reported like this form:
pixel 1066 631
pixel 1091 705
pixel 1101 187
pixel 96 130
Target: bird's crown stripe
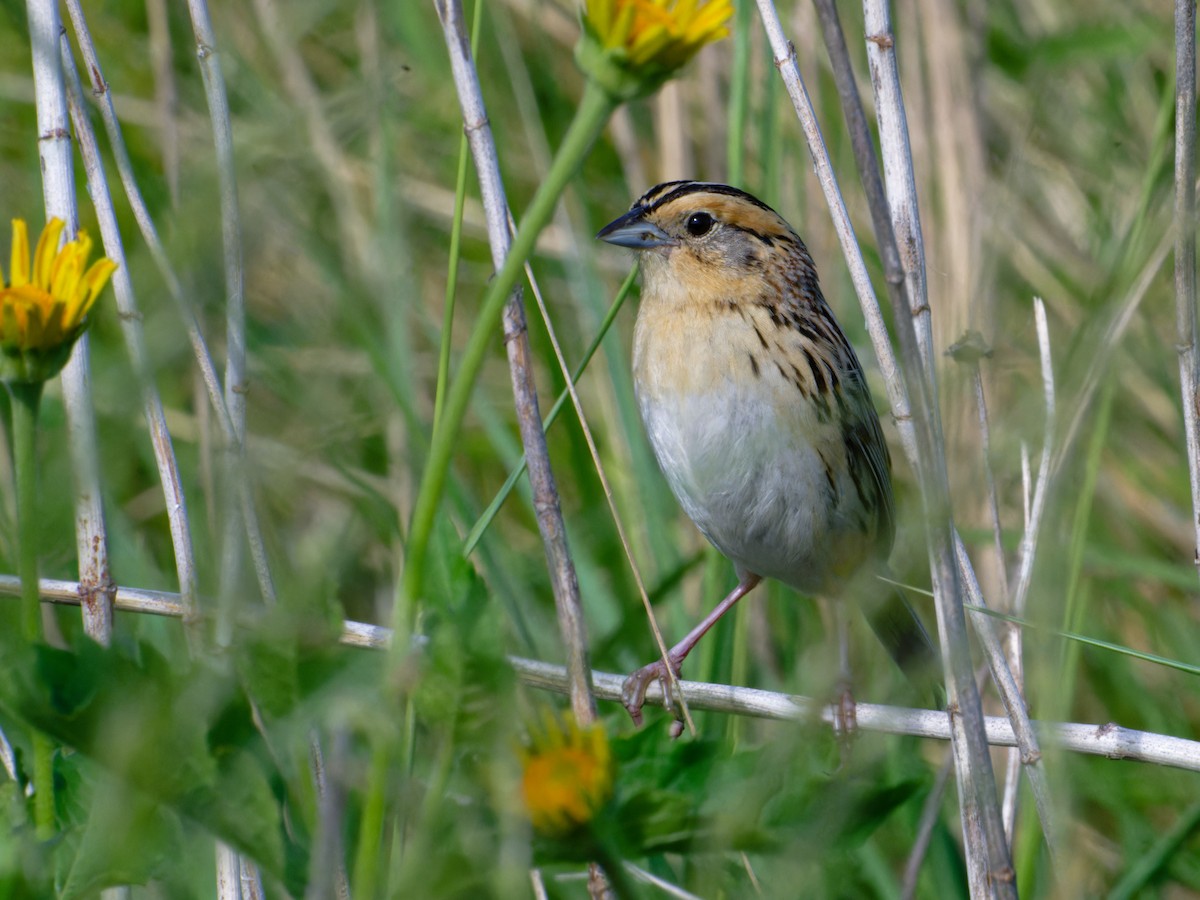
pixel 673 190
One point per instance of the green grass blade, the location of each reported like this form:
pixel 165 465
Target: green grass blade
pixel 489 514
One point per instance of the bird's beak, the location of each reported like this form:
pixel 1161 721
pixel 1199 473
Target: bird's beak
pixel 631 230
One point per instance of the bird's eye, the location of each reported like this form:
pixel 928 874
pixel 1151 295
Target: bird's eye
pixel 699 224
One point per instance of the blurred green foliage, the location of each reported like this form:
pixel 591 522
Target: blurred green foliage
pixel 1043 138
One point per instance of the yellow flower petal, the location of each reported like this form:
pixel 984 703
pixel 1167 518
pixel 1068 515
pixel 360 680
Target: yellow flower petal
pixel 649 43
pixel 93 283
pixel 66 271
pixel 20 254
pixel 47 248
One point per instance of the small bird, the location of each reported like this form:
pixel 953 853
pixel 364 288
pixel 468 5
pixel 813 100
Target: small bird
pixel 757 409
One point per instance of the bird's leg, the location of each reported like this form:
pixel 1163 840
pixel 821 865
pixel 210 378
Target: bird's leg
pixel 633 691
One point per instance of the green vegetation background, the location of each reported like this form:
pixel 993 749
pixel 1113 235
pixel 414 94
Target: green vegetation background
pixel 1043 138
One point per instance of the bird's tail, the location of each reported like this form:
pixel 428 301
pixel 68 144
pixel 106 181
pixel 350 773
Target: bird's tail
pixel 899 629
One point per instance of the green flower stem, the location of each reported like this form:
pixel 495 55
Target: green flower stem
pixel 43 786
pixel 370 838
pixel 595 109
pixel 26 396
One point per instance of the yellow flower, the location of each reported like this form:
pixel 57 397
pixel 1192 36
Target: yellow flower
pixel 632 46
pixel 44 307
pixel 668 32
pixel 567 774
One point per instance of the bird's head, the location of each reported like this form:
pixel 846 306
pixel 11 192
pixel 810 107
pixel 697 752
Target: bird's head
pixel 694 229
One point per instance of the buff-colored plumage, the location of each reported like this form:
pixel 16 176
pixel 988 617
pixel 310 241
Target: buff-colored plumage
pixel 753 400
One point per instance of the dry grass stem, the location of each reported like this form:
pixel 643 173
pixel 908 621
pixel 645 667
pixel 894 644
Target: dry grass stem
pixel 572 624
pixel 606 485
pixel 135 338
pixel 988 860
pixel 1185 245
pixel 1027 754
pixel 58 189
pixel 207 368
pixel 930 815
pixel 1109 739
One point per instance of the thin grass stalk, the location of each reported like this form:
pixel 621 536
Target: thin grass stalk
pixel 1013 760
pixel 231 224
pixel 1010 795
pixel 1141 878
pixel 50 99
pixel 989 861
pixel 1026 483
pixel 898 175
pixel 166 95
pixel 785 61
pixel 1185 245
pixel 667 888
pixel 593 111
pixel 985 449
pixel 1029 543
pixel 235 334
pixel 1037 508
pixel 252 883
pixel 606 486
pixel 571 620
pixel 1121 318
pixel 231 240
pixel 327 872
pixel 970 350
pixel 96 582
pixel 135 338
pixel 931 812
pixel 141 213
pixel 577 262
pixel 982 828
pixel 863 146
pixel 1109 739
pixel 540 153
pixel 455 252
pixel 58 188
pixel 739 92
pixel 231 228
pixel 8 758
pixel 486 517
pixel 1028 753
pixel 204 360
pixel 229 873
pixel 866 160
pixel 367 861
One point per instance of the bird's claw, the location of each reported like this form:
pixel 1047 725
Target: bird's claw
pixel 845 720
pixel 633 691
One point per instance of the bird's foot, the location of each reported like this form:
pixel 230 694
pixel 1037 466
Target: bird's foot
pixel 633 690
pixel 845 718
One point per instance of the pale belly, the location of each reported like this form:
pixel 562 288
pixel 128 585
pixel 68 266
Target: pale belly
pixel 762 477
